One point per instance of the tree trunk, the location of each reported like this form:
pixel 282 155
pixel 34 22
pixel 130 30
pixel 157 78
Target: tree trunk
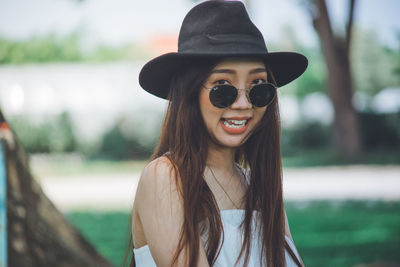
pixel 336 52
pixel 38 234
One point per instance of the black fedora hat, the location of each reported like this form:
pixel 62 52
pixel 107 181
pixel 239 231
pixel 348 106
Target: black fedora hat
pixel 217 29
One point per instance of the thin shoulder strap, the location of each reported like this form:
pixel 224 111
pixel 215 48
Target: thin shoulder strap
pixel 292 253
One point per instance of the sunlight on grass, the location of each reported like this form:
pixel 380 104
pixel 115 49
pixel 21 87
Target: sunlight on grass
pixel 57 165
pixel 75 165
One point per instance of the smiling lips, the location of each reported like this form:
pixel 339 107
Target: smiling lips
pixel 235 125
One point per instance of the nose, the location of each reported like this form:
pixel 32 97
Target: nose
pixel 242 101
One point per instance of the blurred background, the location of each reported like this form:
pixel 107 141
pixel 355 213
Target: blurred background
pixel 69 91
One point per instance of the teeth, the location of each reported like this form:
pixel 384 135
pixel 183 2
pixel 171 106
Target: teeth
pixel 235 123
pixel 238 122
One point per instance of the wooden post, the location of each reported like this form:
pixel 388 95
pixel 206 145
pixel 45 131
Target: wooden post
pixel 3 209
pixel 38 234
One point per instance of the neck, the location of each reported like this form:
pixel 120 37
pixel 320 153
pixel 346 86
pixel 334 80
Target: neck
pixel 221 158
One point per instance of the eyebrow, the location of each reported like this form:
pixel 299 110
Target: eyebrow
pixel 229 71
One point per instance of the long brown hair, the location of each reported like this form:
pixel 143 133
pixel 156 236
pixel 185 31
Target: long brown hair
pixel 185 145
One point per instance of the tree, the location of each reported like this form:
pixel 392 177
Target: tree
pixel 374 64
pixel 336 50
pixel 38 234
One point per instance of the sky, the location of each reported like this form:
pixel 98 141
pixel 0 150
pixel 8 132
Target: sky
pixel 120 21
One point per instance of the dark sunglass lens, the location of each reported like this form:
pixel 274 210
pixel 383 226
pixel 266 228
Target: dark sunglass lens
pixel 222 96
pixel 262 95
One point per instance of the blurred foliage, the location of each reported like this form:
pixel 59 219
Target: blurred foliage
pixel 307 135
pixel 41 49
pixel 131 138
pixel 375 65
pixel 54 134
pixel 118 146
pixel 136 139
pixel 314 78
pixel 103 53
pixel 68 48
pixel 126 139
pixel 379 132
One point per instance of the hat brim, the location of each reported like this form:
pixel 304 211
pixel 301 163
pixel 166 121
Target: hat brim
pixel 156 74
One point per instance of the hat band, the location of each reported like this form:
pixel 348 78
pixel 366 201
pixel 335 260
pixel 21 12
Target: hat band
pixel 223 43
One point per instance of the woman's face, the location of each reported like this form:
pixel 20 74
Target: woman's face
pixel 230 127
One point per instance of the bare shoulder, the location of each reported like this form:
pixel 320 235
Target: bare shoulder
pixel 160 167
pixel 159 209
pixel 156 193
pixel 156 183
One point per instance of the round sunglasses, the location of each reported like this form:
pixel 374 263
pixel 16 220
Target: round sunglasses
pixel 260 95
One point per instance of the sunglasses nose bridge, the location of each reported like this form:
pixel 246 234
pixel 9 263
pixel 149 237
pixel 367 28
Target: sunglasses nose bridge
pixel 242 99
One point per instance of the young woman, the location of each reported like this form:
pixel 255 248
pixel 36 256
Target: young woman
pixel 212 194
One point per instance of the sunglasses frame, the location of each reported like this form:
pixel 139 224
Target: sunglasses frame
pixel 247 94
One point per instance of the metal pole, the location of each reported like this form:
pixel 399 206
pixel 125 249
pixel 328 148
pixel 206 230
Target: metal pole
pixel 3 208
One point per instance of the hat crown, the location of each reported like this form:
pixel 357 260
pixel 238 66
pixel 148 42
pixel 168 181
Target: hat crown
pixel 218 29
pixel 205 30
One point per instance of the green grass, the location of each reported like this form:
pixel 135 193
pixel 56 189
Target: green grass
pixel 326 233
pixel 107 231
pixel 327 157
pixel 346 233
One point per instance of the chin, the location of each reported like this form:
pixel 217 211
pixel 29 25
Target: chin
pixel 230 142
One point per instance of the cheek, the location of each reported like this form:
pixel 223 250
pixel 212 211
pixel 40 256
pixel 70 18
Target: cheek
pixel 259 114
pixel 203 105
pixel 206 108
pixel 204 101
pixel 211 115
